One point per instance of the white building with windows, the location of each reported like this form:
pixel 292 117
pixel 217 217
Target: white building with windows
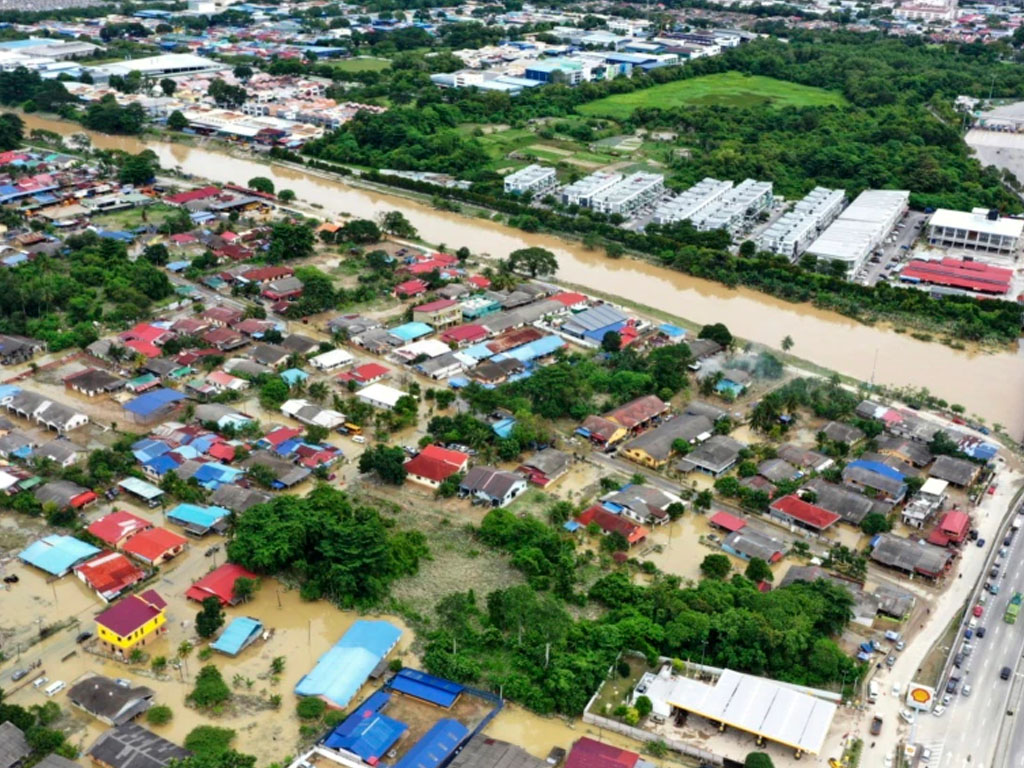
pixel 738 206
pixel 793 232
pixel 977 230
pixel 537 179
pixel 632 193
pixel 693 202
pixel 861 228
pixel 582 192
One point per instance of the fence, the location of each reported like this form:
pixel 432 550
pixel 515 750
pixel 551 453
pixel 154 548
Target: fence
pixel 647 736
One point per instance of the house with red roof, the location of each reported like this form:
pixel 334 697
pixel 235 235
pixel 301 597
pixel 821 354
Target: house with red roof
pixel 285 289
pixel 793 510
pixel 410 288
pixel 184 239
pixel 479 281
pixel 131 622
pixel 223 339
pixel 589 753
pixel 276 437
pixel 461 335
pixel 570 300
pixel 147 333
pixel 224 452
pixel 262 275
pixel 109 574
pixel 117 527
pixel 610 523
pixel 155 546
pixel 727 522
pixel 191 196
pixel 220 583
pixel 955 525
pixel 364 374
pixel 639 413
pixel 190 326
pixel 439 314
pixel 434 464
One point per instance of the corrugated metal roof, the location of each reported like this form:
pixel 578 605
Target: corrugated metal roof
pixel 340 672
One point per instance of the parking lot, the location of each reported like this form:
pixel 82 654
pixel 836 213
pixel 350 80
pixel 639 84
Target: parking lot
pixel 897 249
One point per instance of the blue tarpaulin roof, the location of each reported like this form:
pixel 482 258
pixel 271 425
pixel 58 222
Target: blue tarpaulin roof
pixel 436 690
pixel 366 732
pixel 435 746
pixel 151 402
pixel 672 331
pixel 340 672
pixel 57 554
pixel 293 376
pixel 179 266
pixel 161 465
pixel 478 351
pixel 191 514
pixel 148 448
pixel 236 635
pixel 411 331
pixel 503 427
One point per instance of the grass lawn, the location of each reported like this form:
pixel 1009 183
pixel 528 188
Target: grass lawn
pixel 131 218
pixel 361 64
pixel 728 89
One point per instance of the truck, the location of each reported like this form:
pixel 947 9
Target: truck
pixel 1017 523
pixel 1013 608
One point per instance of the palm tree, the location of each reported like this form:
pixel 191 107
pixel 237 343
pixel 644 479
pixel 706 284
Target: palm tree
pixel 317 391
pixel 787 343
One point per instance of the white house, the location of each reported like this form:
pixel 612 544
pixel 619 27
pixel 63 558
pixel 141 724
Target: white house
pixel 331 360
pixel 380 395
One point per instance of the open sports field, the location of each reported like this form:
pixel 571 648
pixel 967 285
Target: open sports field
pixel 728 89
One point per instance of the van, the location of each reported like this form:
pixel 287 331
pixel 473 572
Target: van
pixel 872 692
pixel 54 688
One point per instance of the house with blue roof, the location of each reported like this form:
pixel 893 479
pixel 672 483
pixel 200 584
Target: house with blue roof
pixel 213 475
pixel 534 350
pixel 294 376
pixel 343 669
pixel 878 479
pixel 199 521
pixel 56 554
pixel 242 632
pixel 411 331
pixel 154 405
pixel 367 732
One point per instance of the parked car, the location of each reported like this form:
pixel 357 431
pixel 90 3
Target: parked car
pixel 966 690
pixel 939 710
pixel 906 716
pixel 18 674
pixel 981 632
pixel 993 589
pixel 978 610
pixel 83 636
pixel 958 660
pixel 981 542
pixel 876 725
pixel 890 661
pixel 901 645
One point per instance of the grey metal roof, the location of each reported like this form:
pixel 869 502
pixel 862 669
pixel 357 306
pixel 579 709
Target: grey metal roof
pixel 103 698
pixel 593 319
pixel 844 433
pixel 657 442
pixel 851 506
pixel 487 752
pixel 714 455
pixel 754 544
pixel 132 746
pixel 238 499
pixel 910 556
pixel 956 471
pixel 870 479
pixel 13 746
pixel 549 461
pixel 59 492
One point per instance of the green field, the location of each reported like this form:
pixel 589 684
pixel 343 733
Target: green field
pixel 728 89
pixel 361 64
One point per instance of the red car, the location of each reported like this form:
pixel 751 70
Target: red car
pixel 978 610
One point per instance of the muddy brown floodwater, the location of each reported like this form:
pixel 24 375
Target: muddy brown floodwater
pixel 989 384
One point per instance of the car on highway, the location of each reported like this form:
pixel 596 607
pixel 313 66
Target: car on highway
pixel 1004 673
pixel 876 725
pixel 939 710
pixel 981 632
pixel 993 589
pixel 966 690
pixel 1004 552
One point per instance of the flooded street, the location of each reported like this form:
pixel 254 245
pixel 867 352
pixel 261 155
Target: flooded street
pixel 988 384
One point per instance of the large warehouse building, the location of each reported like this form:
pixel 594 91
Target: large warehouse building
pixel 979 230
pixel 861 228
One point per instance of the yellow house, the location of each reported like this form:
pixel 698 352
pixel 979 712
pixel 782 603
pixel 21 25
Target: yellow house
pixel 131 622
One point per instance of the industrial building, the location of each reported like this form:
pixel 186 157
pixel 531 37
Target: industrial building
pixel 740 204
pixel 167 65
pixel 537 179
pixel 582 192
pixel 692 202
pixel 861 228
pixel 960 275
pixel 632 193
pixel 979 230
pixel 793 232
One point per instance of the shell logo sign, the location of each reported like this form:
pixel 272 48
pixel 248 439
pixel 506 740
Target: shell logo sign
pixel 920 696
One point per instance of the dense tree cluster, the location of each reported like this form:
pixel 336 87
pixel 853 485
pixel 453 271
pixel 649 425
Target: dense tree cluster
pixel 338 549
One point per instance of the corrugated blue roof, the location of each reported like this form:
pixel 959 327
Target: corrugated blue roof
pixel 366 732
pixel 478 351
pixel 340 672
pixel 424 686
pixel 7 391
pixel 147 448
pixel 216 474
pixel 193 514
pixel 161 465
pixel 151 402
pixel 503 428
pixel 293 376
pixel 237 635
pixel 878 468
pixel 57 554
pixel 436 745
pixel 410 331
pixel 672 331
pixel 540 348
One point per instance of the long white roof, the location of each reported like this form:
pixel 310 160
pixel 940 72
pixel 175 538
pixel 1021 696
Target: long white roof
pixel 776 711
pixel 975 221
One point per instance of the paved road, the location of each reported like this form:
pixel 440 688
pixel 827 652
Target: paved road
pixel 933 732
pixel 966 734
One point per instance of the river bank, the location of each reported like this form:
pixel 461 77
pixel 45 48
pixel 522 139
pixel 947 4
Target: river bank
pixel 989 384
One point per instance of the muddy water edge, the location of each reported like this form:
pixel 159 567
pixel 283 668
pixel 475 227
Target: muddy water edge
pixel 989 384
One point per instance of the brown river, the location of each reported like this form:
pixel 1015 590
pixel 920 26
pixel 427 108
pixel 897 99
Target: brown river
pixel 988 384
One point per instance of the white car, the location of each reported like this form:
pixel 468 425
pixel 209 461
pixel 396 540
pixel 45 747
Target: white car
pixel 358 439
pixel 939 710
pixel 966 690
pixel 926 755
pixel 896 688
pixel 906 715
